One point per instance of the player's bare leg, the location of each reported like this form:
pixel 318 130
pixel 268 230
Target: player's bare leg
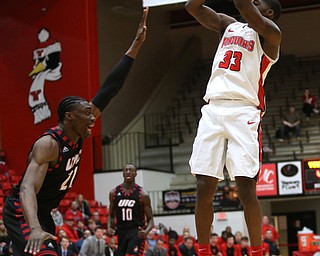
pixel 206 187
pixel 252 211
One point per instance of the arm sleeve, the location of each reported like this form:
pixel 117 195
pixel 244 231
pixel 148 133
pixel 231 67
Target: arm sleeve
pixel 113 83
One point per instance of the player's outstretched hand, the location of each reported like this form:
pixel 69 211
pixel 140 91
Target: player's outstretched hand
pixel 140 36
pixel 142 29
pixel 36 239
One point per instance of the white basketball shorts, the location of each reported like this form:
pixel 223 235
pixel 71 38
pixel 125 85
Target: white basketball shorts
pixel 229 134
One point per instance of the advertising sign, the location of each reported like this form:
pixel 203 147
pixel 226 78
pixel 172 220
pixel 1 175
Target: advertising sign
pixel 289 178
pixel 267 181
pixel 311 175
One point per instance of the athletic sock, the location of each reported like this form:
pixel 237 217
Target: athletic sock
pixel 204 250
pixel 256 250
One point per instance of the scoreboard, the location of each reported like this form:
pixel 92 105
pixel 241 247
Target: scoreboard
pixel 311 176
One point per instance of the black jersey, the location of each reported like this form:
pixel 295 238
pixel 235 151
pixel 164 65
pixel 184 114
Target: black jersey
pixel 129 208
pixel 58 179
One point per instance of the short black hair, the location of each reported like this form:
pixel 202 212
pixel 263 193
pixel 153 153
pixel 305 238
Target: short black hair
pixel 68 104
pixel 276 7
pixel 213 234
pixel 245 238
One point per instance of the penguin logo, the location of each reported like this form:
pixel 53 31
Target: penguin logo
pixel 47 66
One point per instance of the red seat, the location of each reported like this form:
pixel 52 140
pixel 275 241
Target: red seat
pixel 71 195
pixel 93 203
pixel 1 210
pixel 104 220
pixel 6 188
pixel 64 205
pixel 15 179
pixel 1 201
pixel 3 177
pixel 103 211
pixel 12 172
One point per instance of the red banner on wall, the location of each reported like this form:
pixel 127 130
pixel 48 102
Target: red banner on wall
pixel 267 181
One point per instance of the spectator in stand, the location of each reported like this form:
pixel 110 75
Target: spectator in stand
pixel 61 233
pixel 185 233
pixel 243 247
pixel 111 248
pixel 83 207
pixel 265 248
pixel 65 248
pixel 158 249
pixel 70 229
pixel 96 218
pixel 74 213
pixel 229 248
pixel 80 227
pixel 5 248
pixel 85 235
pixel 187 247
pixel 214 247
pixel 310 104
pixel 273 247
pixel 151 240
pixel 91 226
pixel 172 245
pixel 237 237
pixel 267 226
pixel 291 123
pixel 229 231
pixel 57 217
pixel 94 245
pixel 223 238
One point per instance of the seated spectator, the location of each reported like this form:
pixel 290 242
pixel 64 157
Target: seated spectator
pixel 158 249
pixel 111 248
pixel 96 218
pixel 237 237
pixel 94 245
pixel 185 233
pixel 243 247
pixel 267 226
pixel 151 240
pixel 70 229
pixel 265 248
pixel 172 245
pixel 74 213
pixel 229 248
pixel 57 217
pixel 91 226
pixel 309 104
pixel 86 234
pixel 273 247
pixel 223 238
pixel 229 231
pixel 65 248
pixel 291 123
pixel 80 228
pixel 187 247
pixel 5 241
pixel 214 247
pixel 83 207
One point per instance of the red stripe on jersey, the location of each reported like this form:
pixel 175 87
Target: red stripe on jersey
pixel 264 65
pixel 260 140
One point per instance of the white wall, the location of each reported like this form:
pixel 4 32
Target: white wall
pixel 176 222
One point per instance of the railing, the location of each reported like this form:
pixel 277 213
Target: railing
pixel 117 150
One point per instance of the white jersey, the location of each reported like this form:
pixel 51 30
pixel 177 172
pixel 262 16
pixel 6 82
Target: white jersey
pixel 240 67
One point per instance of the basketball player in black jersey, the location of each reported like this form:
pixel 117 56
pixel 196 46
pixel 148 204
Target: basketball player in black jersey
pixel 54 160
pixel 131 208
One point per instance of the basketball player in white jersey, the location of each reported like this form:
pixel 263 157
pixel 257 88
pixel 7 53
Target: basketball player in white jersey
pixel 229 132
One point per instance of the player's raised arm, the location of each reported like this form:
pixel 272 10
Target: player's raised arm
pixel 118 75
pixel 263 22
pixel 208 17
pixel 45 150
